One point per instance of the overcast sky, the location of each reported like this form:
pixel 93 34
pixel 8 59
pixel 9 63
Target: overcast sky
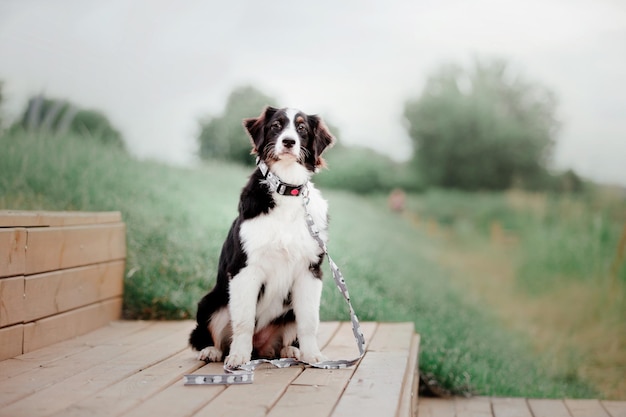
pixel 155 67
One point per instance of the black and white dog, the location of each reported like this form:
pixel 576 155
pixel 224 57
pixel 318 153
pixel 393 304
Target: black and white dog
pixel 266 300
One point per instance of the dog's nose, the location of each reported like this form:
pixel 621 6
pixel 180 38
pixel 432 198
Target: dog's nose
pixel 288 143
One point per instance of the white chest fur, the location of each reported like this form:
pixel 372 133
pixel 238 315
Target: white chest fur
pixel 282 234
pixel 280 246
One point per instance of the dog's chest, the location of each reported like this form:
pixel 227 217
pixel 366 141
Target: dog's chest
pixel 279 246
pixel 282 234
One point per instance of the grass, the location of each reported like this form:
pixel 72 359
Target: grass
pixel 177 219
pixel 562 237
pixel 558 260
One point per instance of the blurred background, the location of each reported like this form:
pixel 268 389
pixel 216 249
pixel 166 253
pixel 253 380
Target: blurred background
pixel 155 67
pixel 483 144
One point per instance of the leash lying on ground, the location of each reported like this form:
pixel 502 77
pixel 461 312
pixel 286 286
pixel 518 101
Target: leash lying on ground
pixel 244 374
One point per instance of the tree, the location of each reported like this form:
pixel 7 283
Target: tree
pixel 483 128
pixel 223 136
pixel 59 117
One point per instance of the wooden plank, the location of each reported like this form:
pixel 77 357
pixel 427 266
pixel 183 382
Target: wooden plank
pixel 130 392
pixel 12 251
pixel 318 390
pixel 615 408
pixel 45 357
pixel 435 407
pixel 315 390
pixel 70 324
pixel 269 385
pixel 378 377
pixel 548 408
pixel 11 341
pixel 342 345
pixel 11 301
pixel 59 291
pixel 472 407
pixel 377 380
pixel 408 400
pixel 510 407
pixel 393 337
pixel 586 408
pixel 57 397
pixel 19 218
pixel 326 331
pixel 52 248
pixel 180 400
pixel 55 372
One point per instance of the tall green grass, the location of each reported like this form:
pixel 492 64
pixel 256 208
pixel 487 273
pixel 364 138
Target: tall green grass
pixel 177 219
pixel 558 269
pixel 562 238
pixel 573 240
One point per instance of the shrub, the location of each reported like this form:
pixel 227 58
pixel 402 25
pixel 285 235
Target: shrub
pixel 54 117
pixel 365 171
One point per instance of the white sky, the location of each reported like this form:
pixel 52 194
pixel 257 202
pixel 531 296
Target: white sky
pixel 154 66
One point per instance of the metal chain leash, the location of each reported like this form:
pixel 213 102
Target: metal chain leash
pixel 244 374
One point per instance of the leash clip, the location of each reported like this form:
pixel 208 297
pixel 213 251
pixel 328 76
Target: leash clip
pixel 305 197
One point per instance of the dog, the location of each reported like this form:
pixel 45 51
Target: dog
pixel 266 299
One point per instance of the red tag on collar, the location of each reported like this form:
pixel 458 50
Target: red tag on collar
pixel 295 192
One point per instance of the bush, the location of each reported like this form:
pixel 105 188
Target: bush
pixel 53 117
pixel 364 171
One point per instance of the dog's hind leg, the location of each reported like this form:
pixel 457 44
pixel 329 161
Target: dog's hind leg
pixel 290 348
pixel 204 338
pixel 219 328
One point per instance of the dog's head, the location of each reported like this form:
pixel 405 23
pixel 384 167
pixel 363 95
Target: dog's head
pixel 289 135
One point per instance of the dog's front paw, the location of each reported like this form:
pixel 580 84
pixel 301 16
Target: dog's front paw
pixel 210 354
pixel 314 357
pixel 236 359
pixel 290 352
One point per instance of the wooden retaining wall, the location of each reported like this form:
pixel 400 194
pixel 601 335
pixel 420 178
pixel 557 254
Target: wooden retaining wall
pixel 61 275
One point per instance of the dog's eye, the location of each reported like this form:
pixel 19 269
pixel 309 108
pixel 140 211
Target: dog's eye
pixel 276 125
pixel 302 128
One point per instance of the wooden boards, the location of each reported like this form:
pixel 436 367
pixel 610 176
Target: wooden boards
pixel 136 368
pixel 61 275
pixel 514 407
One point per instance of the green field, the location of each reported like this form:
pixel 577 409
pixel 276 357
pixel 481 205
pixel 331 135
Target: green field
pixel 396 270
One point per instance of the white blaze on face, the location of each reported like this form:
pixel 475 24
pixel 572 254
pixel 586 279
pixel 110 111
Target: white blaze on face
pixel 288 142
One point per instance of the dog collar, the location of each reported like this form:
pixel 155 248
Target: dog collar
pixel 276 184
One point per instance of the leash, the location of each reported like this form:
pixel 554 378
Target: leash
pixel 244 374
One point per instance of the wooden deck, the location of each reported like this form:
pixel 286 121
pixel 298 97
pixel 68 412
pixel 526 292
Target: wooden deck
pixel 135 368
pixel 518 407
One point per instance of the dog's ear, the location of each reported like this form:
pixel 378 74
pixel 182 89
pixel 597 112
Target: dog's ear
pixel 256 128
pixel 322 139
